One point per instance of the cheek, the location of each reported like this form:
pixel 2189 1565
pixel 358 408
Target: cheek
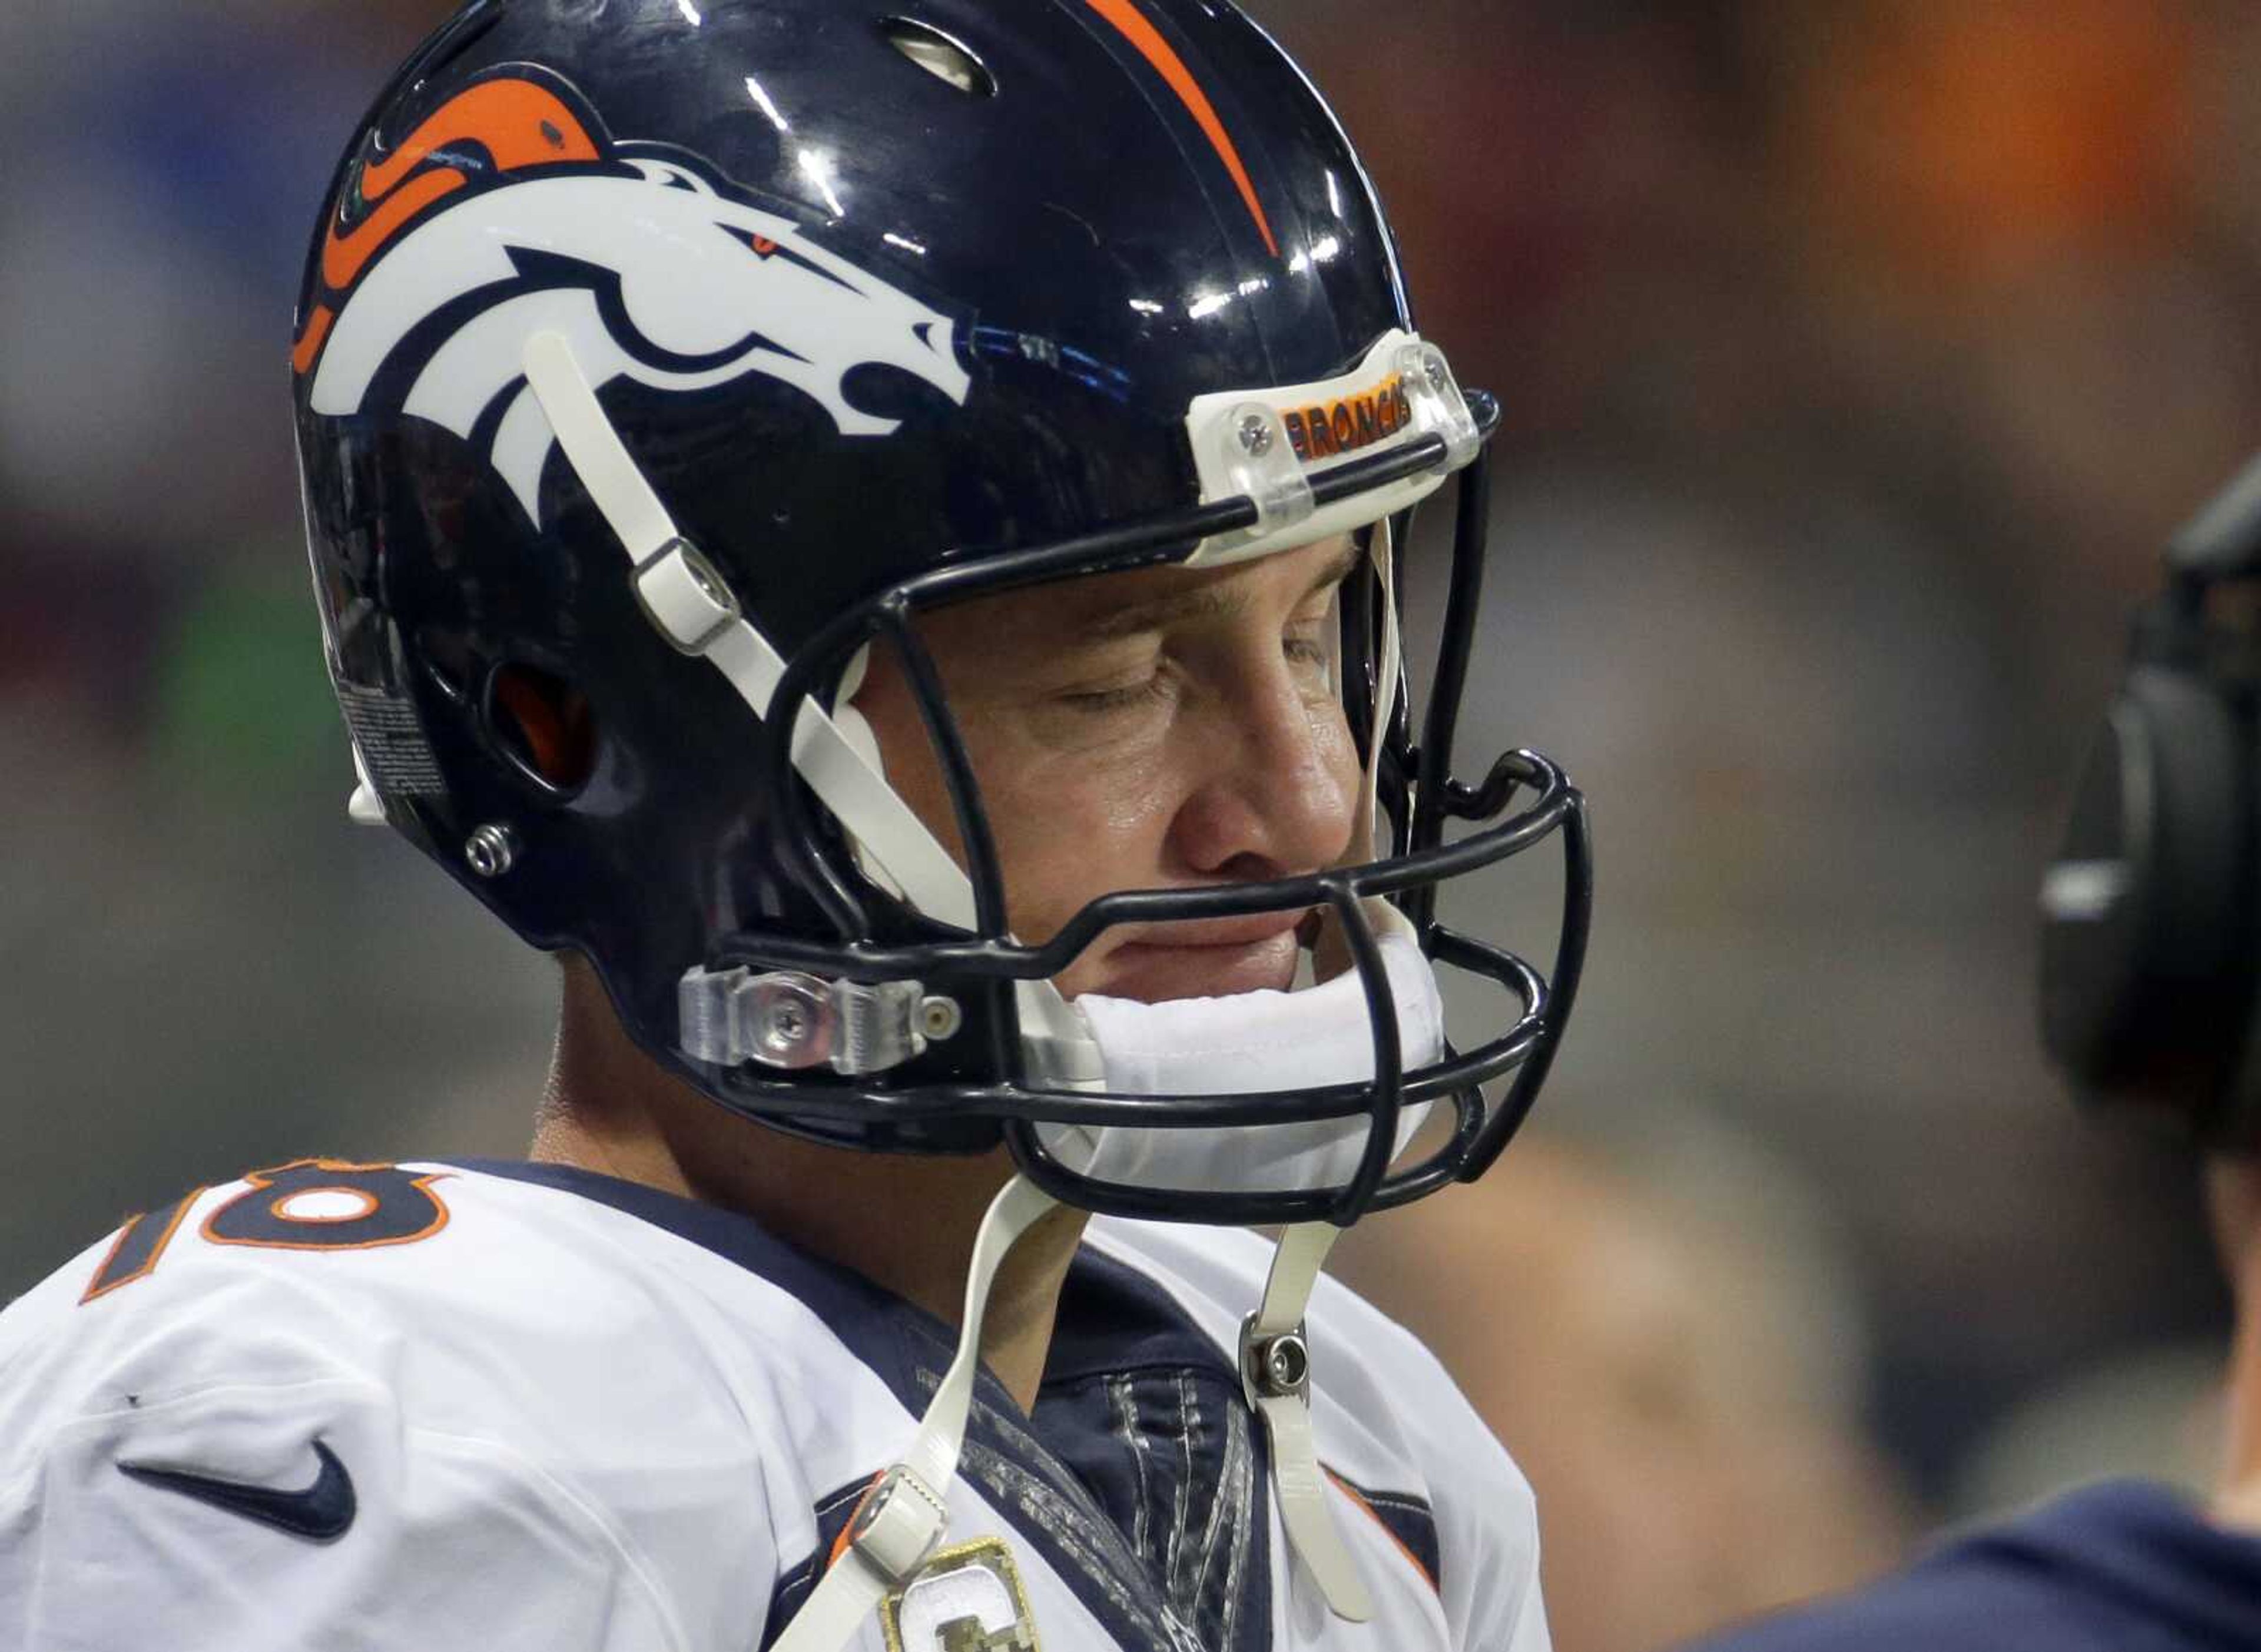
pixel 1069 827
pixel 1336 752
pixel 1335 778
pixel 1068 832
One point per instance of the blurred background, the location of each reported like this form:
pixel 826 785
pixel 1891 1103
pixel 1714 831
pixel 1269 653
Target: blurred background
pixel 1858 360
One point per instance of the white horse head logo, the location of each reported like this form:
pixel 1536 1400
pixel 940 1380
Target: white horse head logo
pixel 648 273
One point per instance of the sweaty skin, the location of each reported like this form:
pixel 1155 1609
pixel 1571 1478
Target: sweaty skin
pixel 1162 729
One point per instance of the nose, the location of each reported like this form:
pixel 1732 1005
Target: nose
pixel 1274 782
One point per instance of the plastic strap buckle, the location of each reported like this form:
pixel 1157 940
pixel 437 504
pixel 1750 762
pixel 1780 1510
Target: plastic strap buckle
pixel 686 600
pixel 899 1524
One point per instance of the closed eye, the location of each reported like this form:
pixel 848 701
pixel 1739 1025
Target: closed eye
pixel 1099 701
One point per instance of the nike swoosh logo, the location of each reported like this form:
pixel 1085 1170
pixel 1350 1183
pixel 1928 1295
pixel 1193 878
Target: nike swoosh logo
pixel 321 1512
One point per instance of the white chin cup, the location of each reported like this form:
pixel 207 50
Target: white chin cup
pixel 1260 1042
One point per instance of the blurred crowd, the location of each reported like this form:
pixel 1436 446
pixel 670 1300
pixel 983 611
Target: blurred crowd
pixel 1858 360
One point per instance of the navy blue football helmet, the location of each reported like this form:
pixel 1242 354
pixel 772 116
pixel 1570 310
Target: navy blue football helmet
pixel 656 359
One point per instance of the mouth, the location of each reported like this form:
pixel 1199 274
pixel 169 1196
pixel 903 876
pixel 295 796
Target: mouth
pixel 1206 959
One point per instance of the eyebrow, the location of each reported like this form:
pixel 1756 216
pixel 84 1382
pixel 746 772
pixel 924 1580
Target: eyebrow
pixel 1206 602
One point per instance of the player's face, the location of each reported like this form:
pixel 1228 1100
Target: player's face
pixel 1154 730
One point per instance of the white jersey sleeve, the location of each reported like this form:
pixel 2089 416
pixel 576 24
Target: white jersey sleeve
pixel 132 1520
pixel 245 1448
pixel 1399 1420
pixel 1487 1518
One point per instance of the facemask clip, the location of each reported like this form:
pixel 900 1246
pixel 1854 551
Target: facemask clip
pixel 792 1021
pixel 1437 405
pixel 1245 450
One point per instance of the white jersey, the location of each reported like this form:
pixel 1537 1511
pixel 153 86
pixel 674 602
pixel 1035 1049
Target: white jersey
pixel 484 1407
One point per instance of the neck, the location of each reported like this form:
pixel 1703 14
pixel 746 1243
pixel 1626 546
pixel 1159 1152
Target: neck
pixel 906 1223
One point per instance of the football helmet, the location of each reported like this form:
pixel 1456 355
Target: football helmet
pixel 657 359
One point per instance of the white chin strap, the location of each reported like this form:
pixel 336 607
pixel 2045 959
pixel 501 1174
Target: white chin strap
pixel 1254 1041
pixel 696 611
pixel 902 1519
pixel 1260 1042
pixel 1392 666
pixel 1275 1375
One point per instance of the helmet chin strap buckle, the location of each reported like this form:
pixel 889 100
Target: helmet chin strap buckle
pixel 792 1021
pixel 899 1524
pixel 686 597
pixel 1274 1366
pixel 1276 1373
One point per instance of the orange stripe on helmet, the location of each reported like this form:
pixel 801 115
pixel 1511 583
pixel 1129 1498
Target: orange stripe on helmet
pixel 1131 24
pixel 519 124
pixel 344 256
pixel 303 354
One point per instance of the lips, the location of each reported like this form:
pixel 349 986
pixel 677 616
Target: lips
pixel 1208 959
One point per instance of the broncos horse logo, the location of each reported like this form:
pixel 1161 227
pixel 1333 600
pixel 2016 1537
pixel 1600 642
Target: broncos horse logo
pixel 524 217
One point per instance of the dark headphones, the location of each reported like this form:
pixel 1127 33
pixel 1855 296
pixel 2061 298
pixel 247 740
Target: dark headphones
pixel 2150 930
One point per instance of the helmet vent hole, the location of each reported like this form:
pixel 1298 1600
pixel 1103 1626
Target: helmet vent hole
pixel 947 60
pixel 542 725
